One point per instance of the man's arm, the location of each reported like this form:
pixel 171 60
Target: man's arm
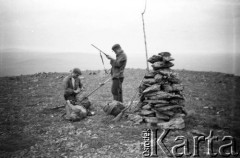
pixel 80 84
pixel 120 62
pixel 67 90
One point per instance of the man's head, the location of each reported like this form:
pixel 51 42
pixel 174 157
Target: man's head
pixel 117 48
pixel 76 72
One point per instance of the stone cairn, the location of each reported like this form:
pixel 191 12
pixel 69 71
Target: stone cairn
pixel 161 99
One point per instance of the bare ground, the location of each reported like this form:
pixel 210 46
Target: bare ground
pixel 29 129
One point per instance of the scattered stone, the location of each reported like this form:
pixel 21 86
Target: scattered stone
pixel 92 73
pixel 174 123
pixel 36 80
pixel 137 119
pixel 197 132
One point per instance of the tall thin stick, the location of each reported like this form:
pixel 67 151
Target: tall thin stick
pixel 145 40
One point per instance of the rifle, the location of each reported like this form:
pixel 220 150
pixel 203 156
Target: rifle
pixel 99 50
pixel 101 57
pixel 58 107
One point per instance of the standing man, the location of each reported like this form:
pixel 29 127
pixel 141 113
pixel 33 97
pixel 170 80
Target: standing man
pixel 118 66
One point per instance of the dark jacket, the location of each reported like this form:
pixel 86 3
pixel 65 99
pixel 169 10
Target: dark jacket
pixel 68 87
pixel 118 65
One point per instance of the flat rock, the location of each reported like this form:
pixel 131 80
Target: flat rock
pixel 167 88
pixel 149 75
pixel 170 107
pixel 167 58
pixel 197 132
pixel 142 87
pixel 161 116
pixel 165 54
pixel 172 87
pixel 162 95
pixel 151 119
pixel 174 123
pixel 166 97
pixel 165 72
pixel 168 113
pixel 158 78
pixel 177 101
pixel 149 81
pixel 146 112
pixel 155 58
pixel 174 80
pixel 152 88
pixel 146 107
pixel 160 105
pixel 159 65
pixel 156 101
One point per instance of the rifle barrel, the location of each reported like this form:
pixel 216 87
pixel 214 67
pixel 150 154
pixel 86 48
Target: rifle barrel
pixel 99 49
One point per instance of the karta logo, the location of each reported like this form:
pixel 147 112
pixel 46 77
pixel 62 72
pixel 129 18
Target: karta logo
pixel 181 145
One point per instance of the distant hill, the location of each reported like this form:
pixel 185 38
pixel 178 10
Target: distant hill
pixel 16 62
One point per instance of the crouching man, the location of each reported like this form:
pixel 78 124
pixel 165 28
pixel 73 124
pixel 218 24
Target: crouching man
pixel 75 109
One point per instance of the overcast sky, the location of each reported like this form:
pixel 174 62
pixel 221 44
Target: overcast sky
pixel 179 26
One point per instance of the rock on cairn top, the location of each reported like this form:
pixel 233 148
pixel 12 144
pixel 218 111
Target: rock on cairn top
pixel 162 102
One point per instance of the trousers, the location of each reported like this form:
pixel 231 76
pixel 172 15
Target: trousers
pixel 117 89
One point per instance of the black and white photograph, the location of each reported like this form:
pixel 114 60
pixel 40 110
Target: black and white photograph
pixel 119 78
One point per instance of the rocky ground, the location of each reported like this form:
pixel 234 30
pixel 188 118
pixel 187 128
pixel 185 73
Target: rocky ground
pixel 28 128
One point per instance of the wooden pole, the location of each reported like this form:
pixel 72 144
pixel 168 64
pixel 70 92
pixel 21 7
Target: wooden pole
pixel 144 33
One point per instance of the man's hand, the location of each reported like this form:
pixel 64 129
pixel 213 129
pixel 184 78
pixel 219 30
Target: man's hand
pixel 109 57
pixel 77 91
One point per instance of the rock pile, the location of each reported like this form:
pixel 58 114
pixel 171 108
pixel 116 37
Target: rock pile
pixel 162 101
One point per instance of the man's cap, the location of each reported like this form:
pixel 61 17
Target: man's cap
pixel 116 46
pixel 77 71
